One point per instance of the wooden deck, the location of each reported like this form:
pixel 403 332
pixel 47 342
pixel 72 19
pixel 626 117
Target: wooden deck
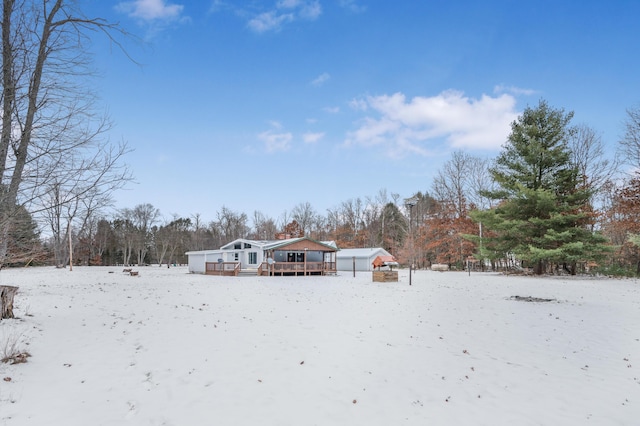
pixel 297 268
pixel 230 269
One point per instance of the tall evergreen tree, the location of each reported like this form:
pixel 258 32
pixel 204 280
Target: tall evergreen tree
pixel 544 210
pixel 23 240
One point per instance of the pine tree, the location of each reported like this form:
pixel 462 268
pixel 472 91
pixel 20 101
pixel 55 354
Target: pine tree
pixel 544 209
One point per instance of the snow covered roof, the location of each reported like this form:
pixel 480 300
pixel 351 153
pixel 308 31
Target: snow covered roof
pixel 384 261
pixel 366 252
pixel 283 243
pixel 265 244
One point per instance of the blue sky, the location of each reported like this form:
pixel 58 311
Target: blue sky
pixel 263 105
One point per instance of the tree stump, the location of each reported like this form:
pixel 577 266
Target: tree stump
pixel 6 301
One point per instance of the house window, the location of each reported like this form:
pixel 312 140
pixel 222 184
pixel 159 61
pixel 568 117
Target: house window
pixel 253 258
pixel 235 256
pixel 237 246
pixel 247 245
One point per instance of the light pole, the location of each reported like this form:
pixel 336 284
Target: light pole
pixel 411 202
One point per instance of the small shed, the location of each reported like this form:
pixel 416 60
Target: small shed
pixel 384 261
pixel 388 274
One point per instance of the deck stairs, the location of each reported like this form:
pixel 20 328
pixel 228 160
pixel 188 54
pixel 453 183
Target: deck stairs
pixel 248 272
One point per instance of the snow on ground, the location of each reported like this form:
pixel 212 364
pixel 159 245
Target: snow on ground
pixel 172 348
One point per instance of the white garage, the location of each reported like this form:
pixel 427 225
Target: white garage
pixel 363 258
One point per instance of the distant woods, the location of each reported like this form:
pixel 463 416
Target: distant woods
pixel 550 202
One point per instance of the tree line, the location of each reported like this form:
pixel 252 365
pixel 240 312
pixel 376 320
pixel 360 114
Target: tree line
pixel 552 201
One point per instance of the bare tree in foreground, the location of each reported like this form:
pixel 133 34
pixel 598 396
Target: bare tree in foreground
pixel 50 131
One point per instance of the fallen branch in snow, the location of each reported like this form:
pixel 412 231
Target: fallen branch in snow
pixel 531 299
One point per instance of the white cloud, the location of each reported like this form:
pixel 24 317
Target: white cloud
pixel 412 126
pixel 321 79
pixel 501 88
pixel 275 124
pixel 312 137
pixel 332 110
pixel 285 11
pixel 288 4
pixel 274 142
pixel 359 104
pixel 352 5
pixel 311 10
pixel 150 10
pixel 269 21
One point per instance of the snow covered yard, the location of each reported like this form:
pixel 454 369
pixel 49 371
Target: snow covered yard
pixel 172 348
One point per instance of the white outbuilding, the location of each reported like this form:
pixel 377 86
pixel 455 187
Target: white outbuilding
pixel 363 258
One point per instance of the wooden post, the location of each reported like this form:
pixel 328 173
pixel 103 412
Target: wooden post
pixel 6 301
pixel 410 268
pixel 354 266
pixel 70 250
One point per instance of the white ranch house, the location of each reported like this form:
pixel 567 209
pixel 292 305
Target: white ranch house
pixel 291 256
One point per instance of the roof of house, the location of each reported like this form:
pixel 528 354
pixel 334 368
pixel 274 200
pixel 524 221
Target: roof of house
pixel 269 244
pixel 272 245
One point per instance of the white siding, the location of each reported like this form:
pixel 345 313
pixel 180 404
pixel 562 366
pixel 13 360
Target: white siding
pixel 197 259
pixel 346 264
pixel 196 263
pixel 364 258
pixel 227 253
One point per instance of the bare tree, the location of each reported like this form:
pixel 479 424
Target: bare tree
pixel 375 220
pixel 264 228
pixel 214 234
pixel 452 184
pixel 48 118
pixel 284 219
pixel 70 205
pixel 197 239
pixel 103 238
pixel 124 234
pixel 170 238
pixel 595 169
pixel 462 181
pixel 232 225
pixel 92 239
pixel 305 215
pixel 319 228
pixel 334 221
pixel 161 241
pixel 629 145
pixel 352 211
pixel 479 182
pixel 144 217
pixel 588 154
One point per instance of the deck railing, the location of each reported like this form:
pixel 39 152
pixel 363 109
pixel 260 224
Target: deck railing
pixel 222 268
pixel 297 268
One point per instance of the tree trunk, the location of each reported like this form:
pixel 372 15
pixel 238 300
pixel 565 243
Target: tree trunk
pixel 6 301
pixel 538 268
